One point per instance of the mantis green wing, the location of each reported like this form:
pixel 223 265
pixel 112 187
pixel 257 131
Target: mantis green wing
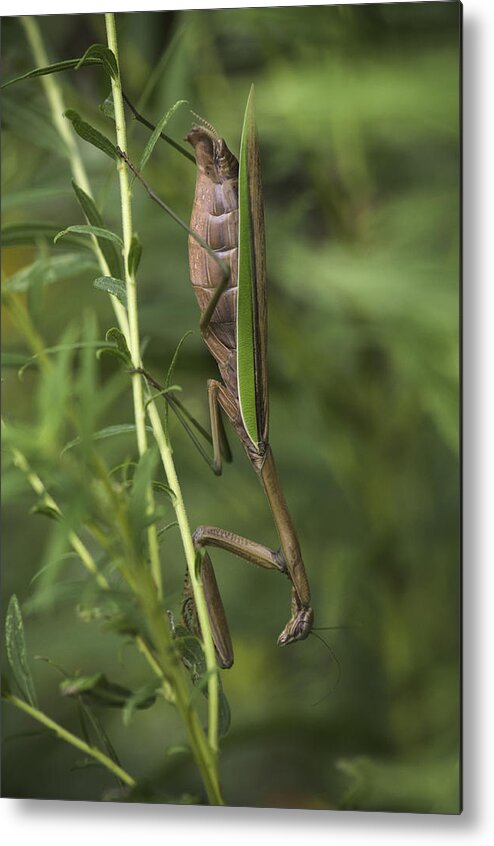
pixel 252 370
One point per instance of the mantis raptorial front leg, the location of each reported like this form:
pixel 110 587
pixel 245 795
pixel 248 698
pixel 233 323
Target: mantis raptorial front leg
pixel 250 551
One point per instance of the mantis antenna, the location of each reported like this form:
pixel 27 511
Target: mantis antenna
pixel 205 123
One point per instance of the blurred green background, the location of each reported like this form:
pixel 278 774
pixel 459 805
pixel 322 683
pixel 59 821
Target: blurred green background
pixel 358 117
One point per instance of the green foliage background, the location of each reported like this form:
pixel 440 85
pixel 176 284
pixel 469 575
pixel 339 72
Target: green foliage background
pixel 358 116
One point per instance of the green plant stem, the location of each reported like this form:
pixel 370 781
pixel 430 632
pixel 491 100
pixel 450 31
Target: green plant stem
pixel 131 289
pixel 181 514
pixel 63 734
pixel 163 445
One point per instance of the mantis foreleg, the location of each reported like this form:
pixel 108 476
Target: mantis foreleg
pixel 216 612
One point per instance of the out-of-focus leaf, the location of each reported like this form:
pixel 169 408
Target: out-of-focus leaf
pixel 426 786
pixel 192 655
pixel 138 501
pixel 14 359
pixel 143 698
pixel 32 196
pixel 32 122
pixel 15 643
pixel 46 271
pixel 31 232
pixel 107 432
pixel 46 511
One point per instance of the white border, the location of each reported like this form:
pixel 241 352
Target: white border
pixel 80 823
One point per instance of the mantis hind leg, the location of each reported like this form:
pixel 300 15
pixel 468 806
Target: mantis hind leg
pixel 218 438
pixel 221 447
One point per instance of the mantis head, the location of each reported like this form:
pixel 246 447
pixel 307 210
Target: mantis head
pixel 298 627
pixel 213 157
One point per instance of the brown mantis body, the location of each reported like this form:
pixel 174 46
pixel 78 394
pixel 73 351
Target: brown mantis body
pixel 215 218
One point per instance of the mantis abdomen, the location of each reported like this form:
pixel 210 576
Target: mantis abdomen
pixel 215 219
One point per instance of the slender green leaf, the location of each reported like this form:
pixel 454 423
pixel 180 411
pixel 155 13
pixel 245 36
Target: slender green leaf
pixel 78 345
pixel 58 67
pixel 160 486
pixel 15 643
pixel 105 55
pixel 135 254
pixel 90 134
pixel 225 715
pixel 15 360
pixel 86 229
pixel 108 107
pixel 65 557
pixel 143 698
pixel 111 252
pixel 192 655
pixel 116 287
pixel 117 337
pixel 46 511
pixel 108 432
pixel 99 690
pixel 153 139
pixel 168 526
pixel 245 327
pixel 114 352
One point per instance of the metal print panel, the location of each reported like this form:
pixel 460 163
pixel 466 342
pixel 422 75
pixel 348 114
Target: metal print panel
pixel 231 235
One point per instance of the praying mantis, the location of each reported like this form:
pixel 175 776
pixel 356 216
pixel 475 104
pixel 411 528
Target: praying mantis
pixel 228 274
pixel 228 214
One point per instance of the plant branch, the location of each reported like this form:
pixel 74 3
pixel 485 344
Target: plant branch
pixel 63 734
